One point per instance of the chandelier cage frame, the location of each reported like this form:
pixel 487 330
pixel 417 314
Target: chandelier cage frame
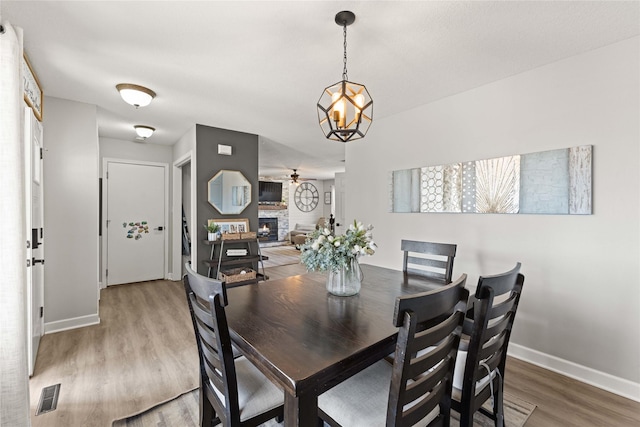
pixel 345 109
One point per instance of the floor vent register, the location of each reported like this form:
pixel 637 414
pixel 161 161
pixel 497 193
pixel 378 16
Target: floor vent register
pixel 48 399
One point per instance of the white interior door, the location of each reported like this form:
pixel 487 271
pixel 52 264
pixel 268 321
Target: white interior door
pixel 135 222
pixel 340 191
pixel 34 228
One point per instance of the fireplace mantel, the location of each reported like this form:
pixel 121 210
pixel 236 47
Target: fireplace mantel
pixel 272 207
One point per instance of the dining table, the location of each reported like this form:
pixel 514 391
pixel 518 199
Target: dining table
pixel 306 340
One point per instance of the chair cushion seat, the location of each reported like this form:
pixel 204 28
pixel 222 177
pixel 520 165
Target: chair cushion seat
pixel 256 394
pixel 348 405
pixel 458 375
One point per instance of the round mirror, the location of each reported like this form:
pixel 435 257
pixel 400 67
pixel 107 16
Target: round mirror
pixel 229 192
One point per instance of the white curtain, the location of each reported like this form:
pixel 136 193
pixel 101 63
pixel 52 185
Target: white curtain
pixel 14 385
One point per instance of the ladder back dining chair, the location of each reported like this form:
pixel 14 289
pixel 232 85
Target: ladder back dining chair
pixel 415 390
pixel 432 260
pixel 233 392
pixel 482 355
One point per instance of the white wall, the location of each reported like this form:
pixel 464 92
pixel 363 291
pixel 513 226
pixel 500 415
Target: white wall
pixel 580 309
pixel 129 150
pixel 185 144
pixel 327 187
pixel 71 174
pixel 296 216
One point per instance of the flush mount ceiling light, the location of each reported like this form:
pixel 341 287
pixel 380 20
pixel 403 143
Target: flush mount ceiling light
pixel 345 109
pixel 144 132
pixel 138 96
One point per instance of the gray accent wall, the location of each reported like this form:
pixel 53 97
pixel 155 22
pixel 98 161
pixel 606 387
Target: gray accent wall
pixel 244 158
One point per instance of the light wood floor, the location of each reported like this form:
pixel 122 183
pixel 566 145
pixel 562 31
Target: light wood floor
pixel 560 401
pixel 142 353
pixel 280 255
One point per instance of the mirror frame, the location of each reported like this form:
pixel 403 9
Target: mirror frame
pixel 238 196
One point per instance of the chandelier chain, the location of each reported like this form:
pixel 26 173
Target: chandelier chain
pixel 344 70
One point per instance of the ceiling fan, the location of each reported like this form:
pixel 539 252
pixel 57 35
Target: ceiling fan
pixel 294 177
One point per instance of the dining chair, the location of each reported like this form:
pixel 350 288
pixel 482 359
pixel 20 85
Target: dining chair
pixel 233 392
pixel 432 260
pixel 480 367
pixel 415 390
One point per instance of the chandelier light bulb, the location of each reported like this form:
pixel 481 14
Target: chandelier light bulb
pixel 338 108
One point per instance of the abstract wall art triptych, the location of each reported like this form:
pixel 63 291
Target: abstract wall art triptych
pixel 547 182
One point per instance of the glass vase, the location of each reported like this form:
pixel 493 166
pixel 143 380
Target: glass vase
pixel 346 281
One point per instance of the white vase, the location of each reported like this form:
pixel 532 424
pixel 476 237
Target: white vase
pixel 346 281
pixel 213 237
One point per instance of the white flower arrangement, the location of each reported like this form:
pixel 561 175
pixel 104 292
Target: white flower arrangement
pixel 325 252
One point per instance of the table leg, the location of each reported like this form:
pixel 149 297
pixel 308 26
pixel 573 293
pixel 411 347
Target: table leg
pixel 301 411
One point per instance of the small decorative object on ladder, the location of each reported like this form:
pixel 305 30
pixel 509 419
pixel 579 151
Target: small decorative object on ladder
pixel 212 230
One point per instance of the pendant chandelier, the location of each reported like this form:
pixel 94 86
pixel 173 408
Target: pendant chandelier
pixel 345 109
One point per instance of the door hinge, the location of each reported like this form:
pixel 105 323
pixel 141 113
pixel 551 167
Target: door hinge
pixel 28 244
pixel 106 273
pixel 107 174
pixel 40 153
pixel 41 311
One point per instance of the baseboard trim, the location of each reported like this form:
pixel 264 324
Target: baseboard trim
pixel 608 382
pixel 74 323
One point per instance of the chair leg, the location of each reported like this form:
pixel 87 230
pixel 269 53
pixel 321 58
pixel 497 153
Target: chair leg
pixel 207 413
pixel 498 406
pixel 466 417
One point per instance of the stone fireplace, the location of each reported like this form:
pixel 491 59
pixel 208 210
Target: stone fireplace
pixel 281 214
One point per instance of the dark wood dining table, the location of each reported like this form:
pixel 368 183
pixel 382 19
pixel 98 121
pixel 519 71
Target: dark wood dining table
pixel 306 340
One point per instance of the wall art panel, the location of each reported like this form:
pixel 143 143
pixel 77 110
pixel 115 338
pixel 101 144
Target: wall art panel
pixel 452 191
pixel 544 182
pixel 431 189
pixel 498 185
pixel 580 180
pixel 469 187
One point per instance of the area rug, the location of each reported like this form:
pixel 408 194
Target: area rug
pixel 183 412
pixel 280 255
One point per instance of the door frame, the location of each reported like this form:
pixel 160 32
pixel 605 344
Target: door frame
pixel 30 121
pixel 339 208
pixel 177 217
pixel 105 203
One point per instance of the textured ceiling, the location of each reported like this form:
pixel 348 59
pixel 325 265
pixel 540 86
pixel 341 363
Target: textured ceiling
pixel 260 67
